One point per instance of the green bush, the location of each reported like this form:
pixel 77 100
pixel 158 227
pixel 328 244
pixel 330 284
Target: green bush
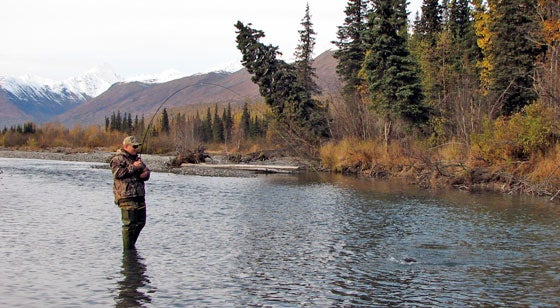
pixel 518 137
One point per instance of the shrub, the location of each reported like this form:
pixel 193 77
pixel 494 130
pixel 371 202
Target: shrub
pixel 518 137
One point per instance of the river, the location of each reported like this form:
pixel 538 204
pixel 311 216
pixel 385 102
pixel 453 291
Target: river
pixel 270 240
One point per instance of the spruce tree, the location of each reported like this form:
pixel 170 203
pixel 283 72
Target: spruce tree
pixel 198 128
pixel 245 121
pixel 207 126
pixel 118 121
pixel 351 45
pixel 429 25
pixel 227 118
pixel 304 55
pixel 136 124
pixel 391 73
pixel 217 127
pixel 142 125
pixel 278 82
pixel 129 123
pixel 513 53
pixel 164 122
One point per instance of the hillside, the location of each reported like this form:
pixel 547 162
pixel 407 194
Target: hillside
pixel 214 87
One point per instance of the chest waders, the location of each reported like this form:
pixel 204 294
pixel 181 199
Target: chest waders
pixel 133 215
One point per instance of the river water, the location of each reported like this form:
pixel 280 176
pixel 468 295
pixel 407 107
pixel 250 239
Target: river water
pixel 275 240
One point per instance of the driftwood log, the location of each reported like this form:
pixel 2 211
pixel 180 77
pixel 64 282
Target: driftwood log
pixel 190 157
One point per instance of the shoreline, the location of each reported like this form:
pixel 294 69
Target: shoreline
pixel 221 167
pixel 157 163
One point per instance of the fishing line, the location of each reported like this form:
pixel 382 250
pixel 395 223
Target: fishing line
pixel 173 94
pixel 219 86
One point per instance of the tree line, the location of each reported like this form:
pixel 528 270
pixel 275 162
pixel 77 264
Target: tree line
pixel 478 79
pixel 464 72
pixel 165 132
pixel 210 128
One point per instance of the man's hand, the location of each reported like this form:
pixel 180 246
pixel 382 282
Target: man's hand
pixel 144 174
pixel 138 164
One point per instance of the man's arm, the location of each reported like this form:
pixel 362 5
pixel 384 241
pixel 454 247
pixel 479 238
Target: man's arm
pixel 145 175
pixel 121 169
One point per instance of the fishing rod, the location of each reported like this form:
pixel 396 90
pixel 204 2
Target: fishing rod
pixel 173 94
pixel 215 85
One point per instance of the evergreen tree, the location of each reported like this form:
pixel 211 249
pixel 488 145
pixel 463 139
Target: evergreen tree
pixel 255 127
pixel 136 124
pixel 217 127
pixel 391 74
pixel 246 121
pixel 207 127
pixel 513 53
pixel 197 128
pixel 113 124
pixel 227 118
pixel 279 84
pixel 29 128
pixel 304 55
pixel 142 125
pixel 129 123
pixel 118 124
pixel 429 25
pixel 107 124
pixel 124 124
pixel 165 127
pixel 351 45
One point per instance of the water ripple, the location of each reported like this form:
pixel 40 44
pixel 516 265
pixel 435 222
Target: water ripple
pixel 269 241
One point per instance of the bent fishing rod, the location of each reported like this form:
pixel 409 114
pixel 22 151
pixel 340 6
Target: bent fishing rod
pixel 173 94
pixel 209 84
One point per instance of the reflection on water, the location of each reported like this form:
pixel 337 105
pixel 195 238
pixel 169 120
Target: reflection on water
pixel 269 241
pixel 134 288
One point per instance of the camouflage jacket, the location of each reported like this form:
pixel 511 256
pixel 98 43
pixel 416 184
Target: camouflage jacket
pixel 127 182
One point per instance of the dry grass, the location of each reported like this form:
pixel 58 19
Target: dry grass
pixel 358 156
pixel 546 169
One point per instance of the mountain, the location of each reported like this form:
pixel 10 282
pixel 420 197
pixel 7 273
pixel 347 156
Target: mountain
pixel 31 98
pixel 145 98
pixel 95 95
pixel 214 87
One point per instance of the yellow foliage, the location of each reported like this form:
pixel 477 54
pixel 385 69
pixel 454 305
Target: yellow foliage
pixel 452 151
pixel 358 155
pixel 518 137
pixel 546 169
pixel 484 41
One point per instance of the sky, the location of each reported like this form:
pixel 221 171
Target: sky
pixel 60 39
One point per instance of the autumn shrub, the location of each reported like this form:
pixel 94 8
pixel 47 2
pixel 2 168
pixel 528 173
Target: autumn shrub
pixel 353 155
pixel 161 144
pixel 546 169
pixel 14 139
pixel 452 151
pixel 516 138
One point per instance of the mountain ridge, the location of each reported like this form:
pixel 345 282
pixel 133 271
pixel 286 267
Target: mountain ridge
pixel 70 104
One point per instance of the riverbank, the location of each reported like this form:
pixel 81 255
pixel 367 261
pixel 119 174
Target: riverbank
pixel 452 176
pixel 217 165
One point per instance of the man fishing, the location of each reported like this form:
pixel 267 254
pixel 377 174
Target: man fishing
pixel 129 174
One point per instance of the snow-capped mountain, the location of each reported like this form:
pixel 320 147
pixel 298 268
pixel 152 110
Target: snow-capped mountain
pixel 39 99
pixel 229 67
pixel 89 84
pixel 95 81
pixel 162 77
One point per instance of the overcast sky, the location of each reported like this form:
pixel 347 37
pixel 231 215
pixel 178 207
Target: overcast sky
pixel 59 39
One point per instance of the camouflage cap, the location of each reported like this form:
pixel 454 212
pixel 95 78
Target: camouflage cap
pixel 131 140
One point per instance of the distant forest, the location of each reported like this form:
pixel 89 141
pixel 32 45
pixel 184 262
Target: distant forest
pixel 468 93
